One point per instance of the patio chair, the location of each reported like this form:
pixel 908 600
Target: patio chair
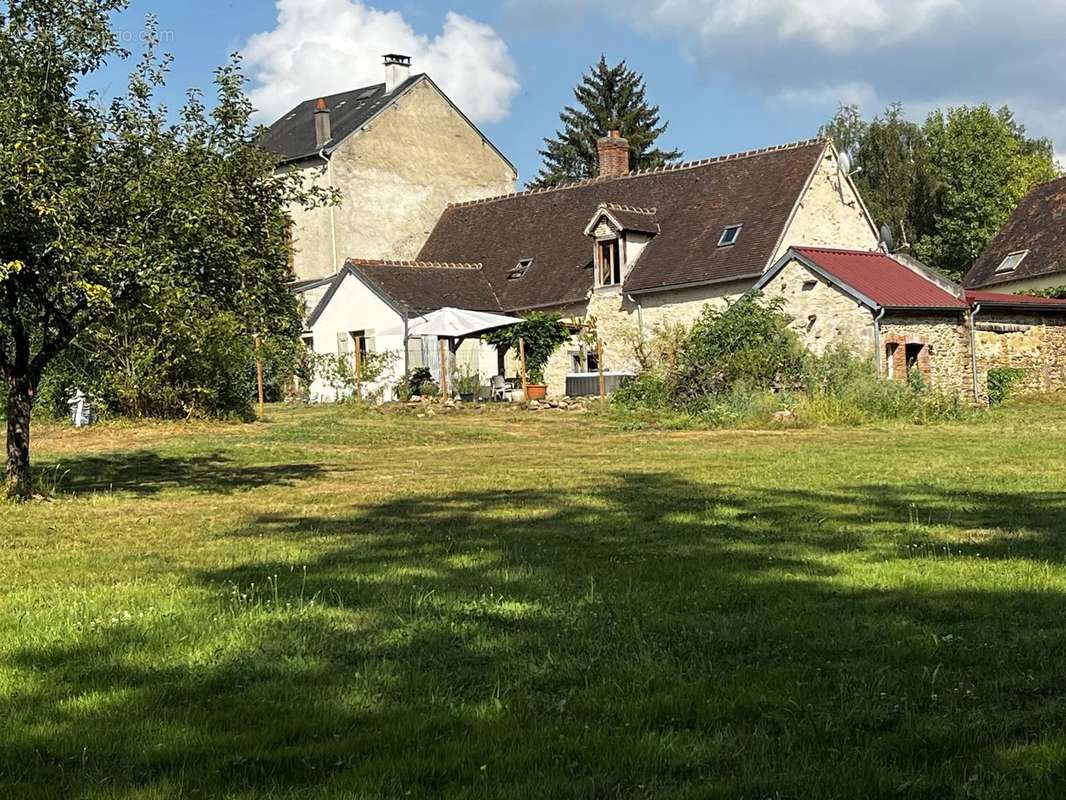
pixel 501 390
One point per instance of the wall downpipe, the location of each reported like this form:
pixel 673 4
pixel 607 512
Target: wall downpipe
pixel 880 315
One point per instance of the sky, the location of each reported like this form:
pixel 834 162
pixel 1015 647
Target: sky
pixel 729 75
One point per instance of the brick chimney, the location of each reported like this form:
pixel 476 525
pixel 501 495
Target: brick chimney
pixel 397 71
pixel 323 130
pixel 614 155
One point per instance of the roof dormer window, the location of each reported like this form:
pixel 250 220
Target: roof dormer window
pixel 609 262
pixel 730 236
pixel 520 269
pixel 1011 262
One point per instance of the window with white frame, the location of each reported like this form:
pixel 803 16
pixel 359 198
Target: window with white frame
pixel 1011 262
pixel 730 236
pixel 520 269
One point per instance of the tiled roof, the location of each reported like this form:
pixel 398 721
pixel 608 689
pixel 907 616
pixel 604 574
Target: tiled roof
pixel 418 286
pixel 293 136
pixel 882 279
pixel 1038 225
pixel 693 204
pixel 1003 298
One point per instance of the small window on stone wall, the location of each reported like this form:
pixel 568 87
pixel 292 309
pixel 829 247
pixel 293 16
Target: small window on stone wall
pixel 914 352
pixel 808 286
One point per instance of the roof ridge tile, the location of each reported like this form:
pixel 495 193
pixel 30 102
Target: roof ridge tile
pixel 393 262
pixel 797 145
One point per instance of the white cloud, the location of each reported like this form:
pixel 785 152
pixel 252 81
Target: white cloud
pixel 924 53
pixel 321 47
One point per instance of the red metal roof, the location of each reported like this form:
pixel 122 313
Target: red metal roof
pixel 882 279
pixel 1013 299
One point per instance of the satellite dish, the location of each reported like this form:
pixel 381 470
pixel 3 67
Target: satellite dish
pixel 844 163
pixel 887 239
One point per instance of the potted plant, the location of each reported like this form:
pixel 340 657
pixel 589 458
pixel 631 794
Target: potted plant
pixel 468 385
pixel 541 335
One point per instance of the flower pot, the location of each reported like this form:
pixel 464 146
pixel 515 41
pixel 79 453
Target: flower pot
pixel 536 391
pixel 467 397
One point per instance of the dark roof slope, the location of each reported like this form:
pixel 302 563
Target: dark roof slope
pixel 1037 225
pixel 881 279
pixel 693 202
pixel 417 287
pixel 293 136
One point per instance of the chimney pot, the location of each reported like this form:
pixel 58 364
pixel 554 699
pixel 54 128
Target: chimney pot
pixel 323 129
pixel 397 71
pixel 613 153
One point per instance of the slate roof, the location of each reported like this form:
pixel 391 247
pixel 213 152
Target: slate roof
pixel 879 278
pixel 639 220
pixel 293 136
pixel 693 203
pixel 1037 225
pixel 417 287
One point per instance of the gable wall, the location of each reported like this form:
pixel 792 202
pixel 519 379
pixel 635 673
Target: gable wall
pixel 838 318
pixel 396 177
pixel 828 217
pixel 354 307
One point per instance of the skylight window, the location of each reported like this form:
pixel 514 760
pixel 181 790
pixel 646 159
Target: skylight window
pixel 1011 262
pixel 730 236
pixel 520 269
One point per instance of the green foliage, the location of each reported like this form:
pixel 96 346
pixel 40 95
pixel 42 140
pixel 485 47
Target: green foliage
pixel 127 233
pixel 1001 383
pixel 609 98
pixel 469 383
pixel 339 373
pixel 946 186
pixel 417 380
pixel 982 167
pixel 837 388
pixel 747 343
pixel 543 335
pixel 1054 292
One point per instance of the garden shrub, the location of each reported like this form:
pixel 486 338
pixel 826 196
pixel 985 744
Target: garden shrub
pixel 738 367
pixel 747 343
pixel 1001 383
pixel 542 335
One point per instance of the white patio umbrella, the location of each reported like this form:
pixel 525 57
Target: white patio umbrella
pixel 458 323
pixel 453 325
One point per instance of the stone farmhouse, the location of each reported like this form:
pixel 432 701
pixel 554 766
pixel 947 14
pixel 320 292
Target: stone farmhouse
pixel 398 152
pixel 1029 253
pixel 628 252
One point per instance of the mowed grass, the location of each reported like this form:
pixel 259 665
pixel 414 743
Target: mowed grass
pixel 512 605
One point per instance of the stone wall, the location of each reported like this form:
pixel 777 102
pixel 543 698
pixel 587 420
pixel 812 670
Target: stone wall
pixel 822 315
pixel 396 177
pixel 945 363
pixel 1031 342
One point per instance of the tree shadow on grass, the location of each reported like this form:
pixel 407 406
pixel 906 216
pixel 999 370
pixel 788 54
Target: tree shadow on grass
pixel 637 636
pixel 145 472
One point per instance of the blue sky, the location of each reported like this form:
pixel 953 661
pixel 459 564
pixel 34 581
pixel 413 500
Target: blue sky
pixel 729 74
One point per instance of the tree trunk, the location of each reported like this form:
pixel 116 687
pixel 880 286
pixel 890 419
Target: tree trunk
pixel 17 480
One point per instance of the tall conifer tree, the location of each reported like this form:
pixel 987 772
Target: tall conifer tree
pixel 609 98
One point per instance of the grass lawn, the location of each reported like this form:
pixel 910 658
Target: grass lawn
pixel 509 605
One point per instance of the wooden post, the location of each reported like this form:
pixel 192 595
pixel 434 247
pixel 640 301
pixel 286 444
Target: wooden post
pixel 259 373
pixel 443 369
pixel 358 368
pixel 522 361
pixel 599 364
